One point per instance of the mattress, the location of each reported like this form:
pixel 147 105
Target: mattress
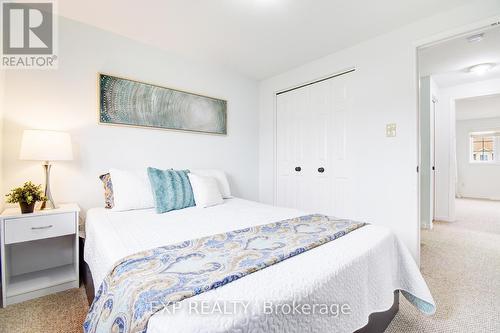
pixel 359 271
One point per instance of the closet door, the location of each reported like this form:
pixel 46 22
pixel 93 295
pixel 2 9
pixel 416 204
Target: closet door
pixel 292 136
pixel 312 162
pixel 320 139
pixel 341 177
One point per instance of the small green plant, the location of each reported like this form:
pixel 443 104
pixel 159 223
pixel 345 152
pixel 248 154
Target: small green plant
pixel 28 193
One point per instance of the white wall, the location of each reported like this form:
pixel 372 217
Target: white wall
pixel 446 175
pixel 385 188
pixel 478 107
pixel 476 180
pixel 66 99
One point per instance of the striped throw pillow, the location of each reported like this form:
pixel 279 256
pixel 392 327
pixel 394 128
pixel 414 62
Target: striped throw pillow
pixel 171 189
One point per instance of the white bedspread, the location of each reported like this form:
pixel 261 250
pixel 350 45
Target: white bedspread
pixel 361 269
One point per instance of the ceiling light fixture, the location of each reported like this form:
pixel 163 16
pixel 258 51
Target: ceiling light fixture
pixel 475 38
pixel 480 69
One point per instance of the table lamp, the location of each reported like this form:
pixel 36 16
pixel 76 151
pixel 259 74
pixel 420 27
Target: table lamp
pixel 46 146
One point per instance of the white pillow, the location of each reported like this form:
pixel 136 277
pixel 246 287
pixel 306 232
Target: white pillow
pixel 205 190
pixel 131 190
pixel 219 176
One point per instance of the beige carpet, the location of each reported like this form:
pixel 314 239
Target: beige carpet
pixel 63 312
pixel 460 262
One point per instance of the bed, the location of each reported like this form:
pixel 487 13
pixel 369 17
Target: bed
pixel 363 269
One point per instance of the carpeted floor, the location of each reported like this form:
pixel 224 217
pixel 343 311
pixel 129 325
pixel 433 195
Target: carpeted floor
pixel 460 262
pixel 63 312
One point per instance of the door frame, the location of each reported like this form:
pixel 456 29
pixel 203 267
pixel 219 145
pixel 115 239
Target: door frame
pixel 479 26
pixel 435 101
pixel 453 99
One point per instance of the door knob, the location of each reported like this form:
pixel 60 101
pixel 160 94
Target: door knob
pixel 298 169
pixel 321 170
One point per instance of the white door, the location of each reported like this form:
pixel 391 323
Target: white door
pixel 425 168
pixel 432 204
pixel 319 139
pixel 311 147
pixel 291 134
pixel 342 100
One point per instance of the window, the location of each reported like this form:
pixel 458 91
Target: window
pixel 483 147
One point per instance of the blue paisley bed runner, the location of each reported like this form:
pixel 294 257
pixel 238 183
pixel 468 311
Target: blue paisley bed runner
pixel 144 283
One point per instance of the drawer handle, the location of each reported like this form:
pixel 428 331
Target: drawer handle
pixel 44 227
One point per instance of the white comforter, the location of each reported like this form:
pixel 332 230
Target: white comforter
pixel 361 269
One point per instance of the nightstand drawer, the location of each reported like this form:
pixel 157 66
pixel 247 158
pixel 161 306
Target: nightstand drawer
pixel 38 227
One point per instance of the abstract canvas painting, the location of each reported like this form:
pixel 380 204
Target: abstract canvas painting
pixel 128 102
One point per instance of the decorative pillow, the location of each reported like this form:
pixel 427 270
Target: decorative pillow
pixel 131 190
pixel 206 191
pixel 171 189
pixel 220 177
pixel 108 190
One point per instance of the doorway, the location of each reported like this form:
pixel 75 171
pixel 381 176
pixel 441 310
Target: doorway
pixel 450 71
pixel 459 141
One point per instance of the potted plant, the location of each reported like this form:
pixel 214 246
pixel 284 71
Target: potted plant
pixel 26 196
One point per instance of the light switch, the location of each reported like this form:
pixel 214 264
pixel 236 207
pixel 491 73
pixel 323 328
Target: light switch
pixel 390 130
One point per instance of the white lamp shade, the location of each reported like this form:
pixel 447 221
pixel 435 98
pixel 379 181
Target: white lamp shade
pixel 42 145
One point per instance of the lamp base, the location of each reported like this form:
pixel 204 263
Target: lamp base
pixel 49 203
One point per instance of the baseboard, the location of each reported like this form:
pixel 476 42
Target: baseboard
pixel 480 198
pixel 443 219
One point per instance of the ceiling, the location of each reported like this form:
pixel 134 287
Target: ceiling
pixel 478 107
pixel 447 62
pixel 258 38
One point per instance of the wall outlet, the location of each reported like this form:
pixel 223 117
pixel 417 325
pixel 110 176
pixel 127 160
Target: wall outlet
pixel 390 130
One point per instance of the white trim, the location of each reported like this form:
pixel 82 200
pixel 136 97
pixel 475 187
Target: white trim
pixel 481 198
pixel 484 162
pixel 443 219
pixel 476 27
pixel 275 149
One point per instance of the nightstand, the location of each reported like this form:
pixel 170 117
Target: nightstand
pixel 39 252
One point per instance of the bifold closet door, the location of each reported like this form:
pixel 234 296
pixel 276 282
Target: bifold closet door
pixel 311 147
pixel 292 136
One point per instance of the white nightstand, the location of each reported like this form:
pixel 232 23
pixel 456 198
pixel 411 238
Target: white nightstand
pixel 39 252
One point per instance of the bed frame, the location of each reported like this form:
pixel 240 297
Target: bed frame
pixel 377 322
